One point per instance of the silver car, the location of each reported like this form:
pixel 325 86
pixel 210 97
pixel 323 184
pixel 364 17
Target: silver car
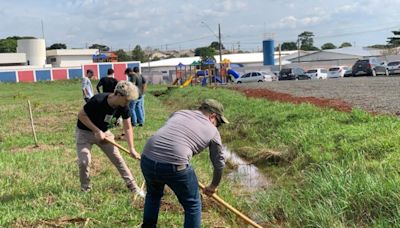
pixel 255 76
pixel 394 67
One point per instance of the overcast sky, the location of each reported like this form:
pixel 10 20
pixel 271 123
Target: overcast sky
pixel 182 24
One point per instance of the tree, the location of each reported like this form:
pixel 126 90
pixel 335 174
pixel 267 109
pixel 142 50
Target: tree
pixel 9 44
pixel 205 53
pixel 57 46
pixel 122 55
pixel 101 47
pixel 215 45
pixel 138 54
pixel 378 46
pixel 306 41
pixel 328 46
pixel 345 44
pixel 394 41
pixel 288 46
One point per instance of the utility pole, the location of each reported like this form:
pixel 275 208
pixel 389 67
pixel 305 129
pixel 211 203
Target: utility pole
pixel 42 28
pixel 298 49
pixel 280 56
pixel 220 50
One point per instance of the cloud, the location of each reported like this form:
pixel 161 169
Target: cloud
pixel 347 8
pixel 288 22
pixel 311 20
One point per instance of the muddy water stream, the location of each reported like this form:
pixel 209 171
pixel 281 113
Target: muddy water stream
pixel 244 174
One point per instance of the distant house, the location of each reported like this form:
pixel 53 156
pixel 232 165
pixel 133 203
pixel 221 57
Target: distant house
pixel 159 55
pixel 70 57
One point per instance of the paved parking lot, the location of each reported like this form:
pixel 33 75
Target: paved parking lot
pixel 376 94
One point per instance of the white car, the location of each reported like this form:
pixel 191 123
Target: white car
pixel 317 73
pixel 255 76
pixel 337 71
pixel 394 67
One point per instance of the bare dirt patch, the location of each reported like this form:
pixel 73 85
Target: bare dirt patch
pixel 336 104
pixel 377 95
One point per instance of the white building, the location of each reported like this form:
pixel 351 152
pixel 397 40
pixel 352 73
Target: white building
pixel 12 59
pixel 34 49
pixel 70 57
pixel 245 59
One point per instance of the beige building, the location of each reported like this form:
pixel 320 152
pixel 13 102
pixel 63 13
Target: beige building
pixel 70 57
pixel 12 59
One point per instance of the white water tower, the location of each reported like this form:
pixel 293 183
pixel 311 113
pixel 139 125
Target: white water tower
pixel 35 50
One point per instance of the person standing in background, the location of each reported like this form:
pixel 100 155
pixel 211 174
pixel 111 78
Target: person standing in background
pixel 87 89
pixel 137 106
pixel 108 83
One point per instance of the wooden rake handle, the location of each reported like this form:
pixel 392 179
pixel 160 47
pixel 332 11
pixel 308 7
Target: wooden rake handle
pixel 214 196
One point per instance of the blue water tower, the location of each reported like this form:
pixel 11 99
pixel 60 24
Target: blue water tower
pixel 268 52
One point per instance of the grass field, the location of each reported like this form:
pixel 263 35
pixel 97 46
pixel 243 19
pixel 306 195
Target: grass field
pixel 328 168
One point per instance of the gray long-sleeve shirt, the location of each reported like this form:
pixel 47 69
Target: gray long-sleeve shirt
pixel 186 133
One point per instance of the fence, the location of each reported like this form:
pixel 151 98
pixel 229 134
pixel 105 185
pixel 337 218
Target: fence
pixel 52 74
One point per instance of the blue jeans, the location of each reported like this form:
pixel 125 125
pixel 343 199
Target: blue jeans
pixel 137 111
pixel 182 182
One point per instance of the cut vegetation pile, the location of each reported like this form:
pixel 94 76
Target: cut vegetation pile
pixel 328 168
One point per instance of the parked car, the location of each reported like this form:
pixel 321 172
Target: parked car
pixel 291 73
pixel 348 73
pixel 255 76
pixel 317 73
pixel 337 71
pixel 303 77
pixel 370 66
pixel 394 67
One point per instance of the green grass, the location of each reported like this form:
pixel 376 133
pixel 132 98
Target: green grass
pixel 40 186
pixel 328 168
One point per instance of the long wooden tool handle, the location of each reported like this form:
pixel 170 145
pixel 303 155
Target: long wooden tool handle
pixel 214 196
pixel 118 146
pixel 229 207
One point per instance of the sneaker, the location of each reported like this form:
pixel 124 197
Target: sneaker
pixel 86 189
pixel 140 125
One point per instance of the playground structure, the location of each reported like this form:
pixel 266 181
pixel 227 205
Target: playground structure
pixel 204 72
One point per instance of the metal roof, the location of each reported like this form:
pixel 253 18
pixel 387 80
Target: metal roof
pixel 255 57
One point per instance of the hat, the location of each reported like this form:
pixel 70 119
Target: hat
pixel 127 89
pixel 215 107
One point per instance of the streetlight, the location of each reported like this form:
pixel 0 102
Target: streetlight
pixel 205 24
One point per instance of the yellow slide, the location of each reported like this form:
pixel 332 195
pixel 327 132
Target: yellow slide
pixel 187 82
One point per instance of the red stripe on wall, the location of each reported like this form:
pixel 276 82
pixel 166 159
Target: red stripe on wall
pixel 60 74
pixel 26 76
pixel 92 67
pixel 119 71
